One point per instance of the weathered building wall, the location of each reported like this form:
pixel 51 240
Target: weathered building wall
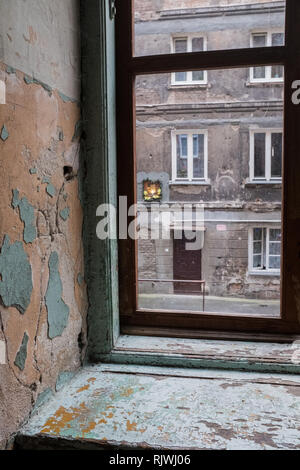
pixel 228 150
pixel 217 19
pixel 229 106
pixel 42 290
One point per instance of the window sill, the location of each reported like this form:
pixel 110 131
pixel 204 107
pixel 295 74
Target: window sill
pixel 264 273
pixel 191 183
pixel 264 182
pixel 205 353
pixel 266 84
pixel 161 408
pixel 188 86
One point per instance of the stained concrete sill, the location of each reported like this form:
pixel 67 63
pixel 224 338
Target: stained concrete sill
pixel 279 84
pixel 209 354
pixel 273 183
pixel 132 407
pixel 190 183
pixel 264 273
pixel 188 86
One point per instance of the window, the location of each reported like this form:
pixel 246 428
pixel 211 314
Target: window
pixel 189 155
pixel 265 250
pixel 266 155
pixel 221 106
pixel 189 44
pixel 272 73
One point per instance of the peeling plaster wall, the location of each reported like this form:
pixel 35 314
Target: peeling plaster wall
pixel 42 290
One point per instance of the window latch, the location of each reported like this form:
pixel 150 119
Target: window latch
pixel 112 9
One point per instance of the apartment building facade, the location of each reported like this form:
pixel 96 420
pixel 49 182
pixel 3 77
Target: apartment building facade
pixel 214 138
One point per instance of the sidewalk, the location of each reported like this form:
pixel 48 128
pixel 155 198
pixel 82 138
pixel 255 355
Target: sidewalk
pixel 213 304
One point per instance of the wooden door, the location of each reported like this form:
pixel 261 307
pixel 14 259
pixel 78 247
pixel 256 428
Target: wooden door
pixel 186 266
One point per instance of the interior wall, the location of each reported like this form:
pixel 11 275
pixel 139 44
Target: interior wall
pixel 43 301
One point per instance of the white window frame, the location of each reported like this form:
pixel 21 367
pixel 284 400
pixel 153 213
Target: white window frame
pixel 190 157
pixel 268 151
pixel 254 270
pixel 268 78
pixel 189 38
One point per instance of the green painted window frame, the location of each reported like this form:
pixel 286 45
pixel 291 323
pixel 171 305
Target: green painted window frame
pixel 98 172
pixel 99 178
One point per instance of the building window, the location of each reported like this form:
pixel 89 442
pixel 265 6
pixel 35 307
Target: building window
pixel 162 111
pixel 189 44
pixel 189 155
pixel 266 155
pixel 265 250
pixel 270 73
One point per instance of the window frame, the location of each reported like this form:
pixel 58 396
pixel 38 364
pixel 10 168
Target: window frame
pixel 190 178
pixel 260 271
pixel 189 38
pixel 128 67
pixel 268 76
pixel 268 155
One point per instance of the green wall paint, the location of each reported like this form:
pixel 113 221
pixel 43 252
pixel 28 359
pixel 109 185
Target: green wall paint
pixel 26 215
pixel 65 213
pixel 4 134
pixel 29 81
pixel 15 269
pixel 58 311
pixel 22 353
pixel 51 190
pixel 65 98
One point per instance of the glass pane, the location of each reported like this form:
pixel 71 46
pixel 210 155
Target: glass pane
pixel 197 44
pixel 277 71
pixel 276 155
pixel 275 248
pixel 275 235
pixel 259 40
pixel 277 39
pixel 198 76
pixel 181 156
pixel 259 72
pixel 225 24
pixel 206 231
pixel 182 146
pixel 257 248
pixel 257 234
pixel 259 155
pixel 274 262
pixel 198 156
pixel 180 77
pixel 180 45
pixel 257 261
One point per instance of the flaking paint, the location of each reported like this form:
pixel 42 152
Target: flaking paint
pixel 26 215
pixel 16 273
pixel 58 311
pixel 22 353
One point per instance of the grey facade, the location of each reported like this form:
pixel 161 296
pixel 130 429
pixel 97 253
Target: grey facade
pixel 231 108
